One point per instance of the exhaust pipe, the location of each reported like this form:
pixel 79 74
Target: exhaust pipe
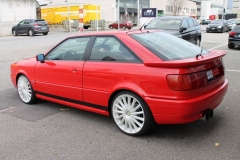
pixel 208 114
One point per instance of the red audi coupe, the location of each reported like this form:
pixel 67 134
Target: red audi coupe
pixel 138 77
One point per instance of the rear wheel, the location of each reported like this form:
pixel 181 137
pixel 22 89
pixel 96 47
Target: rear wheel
pixel 131 114
pixel 25 90
pixel 231 46
pixel 198 41
pixel 45 33
pixel 30 33
pixel 129 28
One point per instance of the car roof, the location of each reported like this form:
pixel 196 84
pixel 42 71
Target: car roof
pixel 174 17
pixel 114 33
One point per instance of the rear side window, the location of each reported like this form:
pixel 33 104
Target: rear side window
pixel 195 22
pixel 168 47
pixel 236 28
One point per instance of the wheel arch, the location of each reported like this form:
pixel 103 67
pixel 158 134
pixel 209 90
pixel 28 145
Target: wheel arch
pixel 26 75
pixel 122 90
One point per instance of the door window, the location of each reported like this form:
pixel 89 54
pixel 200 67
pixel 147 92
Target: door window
pixel 190 23
pixel 70 49
pixel 110 49
pixel 184 23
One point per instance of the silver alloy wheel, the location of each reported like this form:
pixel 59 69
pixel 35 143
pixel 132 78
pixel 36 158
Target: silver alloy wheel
pixel 24 89
pixel 30 32
pixel 111 27
pixel 14 33
pixel 124 27
pixel 128 113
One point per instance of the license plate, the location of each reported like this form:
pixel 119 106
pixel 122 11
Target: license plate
pixel 44 28
pixel 209 74
pixel 213 28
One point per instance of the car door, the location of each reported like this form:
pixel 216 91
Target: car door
pixel 115 25
pixel 192 30
pixel 104 69
pixel 60 75
pixel 185 33
pixel 21 27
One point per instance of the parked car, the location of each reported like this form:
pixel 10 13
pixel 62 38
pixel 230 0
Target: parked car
pixel 217 26
pixel 234 37
pixel 123 24
pixel 232 22
pixel 205 21
pixel 142 77
pixel 31 27
pixel 186 28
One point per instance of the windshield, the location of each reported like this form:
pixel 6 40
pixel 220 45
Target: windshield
pixel 217 22
pixel 168 47
pixel 172 24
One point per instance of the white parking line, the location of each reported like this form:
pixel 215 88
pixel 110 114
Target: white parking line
pixel 233 70
pixel 218 46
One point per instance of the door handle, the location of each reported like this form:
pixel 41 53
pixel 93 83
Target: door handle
pixel 74 70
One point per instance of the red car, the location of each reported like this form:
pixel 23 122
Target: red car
pixel 138 78
pixel 123 24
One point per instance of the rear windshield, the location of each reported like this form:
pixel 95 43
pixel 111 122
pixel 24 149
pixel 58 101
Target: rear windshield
pixel 168 47
pixel 158 23
pixel 40 21
pixel 236 28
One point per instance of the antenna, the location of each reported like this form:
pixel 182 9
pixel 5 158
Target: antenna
pixel 146 21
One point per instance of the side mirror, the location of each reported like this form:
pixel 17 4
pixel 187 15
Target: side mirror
pixel 182 29
pixel 145 26
pixel 40 58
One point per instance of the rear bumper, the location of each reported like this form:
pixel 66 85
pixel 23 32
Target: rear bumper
pixel 41 30
pixel 184 111
pixel 234 41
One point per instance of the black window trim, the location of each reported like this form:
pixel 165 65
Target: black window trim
pixel 90 46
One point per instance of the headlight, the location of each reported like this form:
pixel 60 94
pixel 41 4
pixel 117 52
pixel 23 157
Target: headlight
pixel 207 26
pixel 219 26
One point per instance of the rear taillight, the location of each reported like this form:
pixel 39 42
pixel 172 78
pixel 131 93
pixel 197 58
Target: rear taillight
pixel 35 25
pixel 232 33
pixel 193 81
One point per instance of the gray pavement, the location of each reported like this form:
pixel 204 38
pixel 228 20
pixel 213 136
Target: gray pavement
pixel 49 131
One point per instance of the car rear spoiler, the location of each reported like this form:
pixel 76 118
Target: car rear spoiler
pixel 212 55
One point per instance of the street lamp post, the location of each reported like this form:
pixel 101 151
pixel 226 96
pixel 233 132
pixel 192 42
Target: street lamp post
pixel 118 15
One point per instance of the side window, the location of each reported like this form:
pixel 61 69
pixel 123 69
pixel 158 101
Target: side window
pixel 70 49
pixel 184 23
pixel 22 22
pixel 195 22
pixel 110 49
pixel 190 23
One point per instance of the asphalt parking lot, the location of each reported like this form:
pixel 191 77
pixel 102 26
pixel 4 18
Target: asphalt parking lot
pixel 46 130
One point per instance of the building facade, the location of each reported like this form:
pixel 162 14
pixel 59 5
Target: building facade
pixel 236 7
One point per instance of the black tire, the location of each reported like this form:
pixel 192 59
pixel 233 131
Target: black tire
pixel 207 31
pixel 129 28
pixel 14 32
pixel 85 27
pixel 25 90
pixel 45 33
pixel 198 41
pixel 231 46
pixel 30 32
pixel 131 114
pixel 110 27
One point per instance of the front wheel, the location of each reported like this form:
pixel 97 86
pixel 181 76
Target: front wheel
pixel 25 90
pixel 110 27
pixel 123 27
pixel 14 33
pixel 131 114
